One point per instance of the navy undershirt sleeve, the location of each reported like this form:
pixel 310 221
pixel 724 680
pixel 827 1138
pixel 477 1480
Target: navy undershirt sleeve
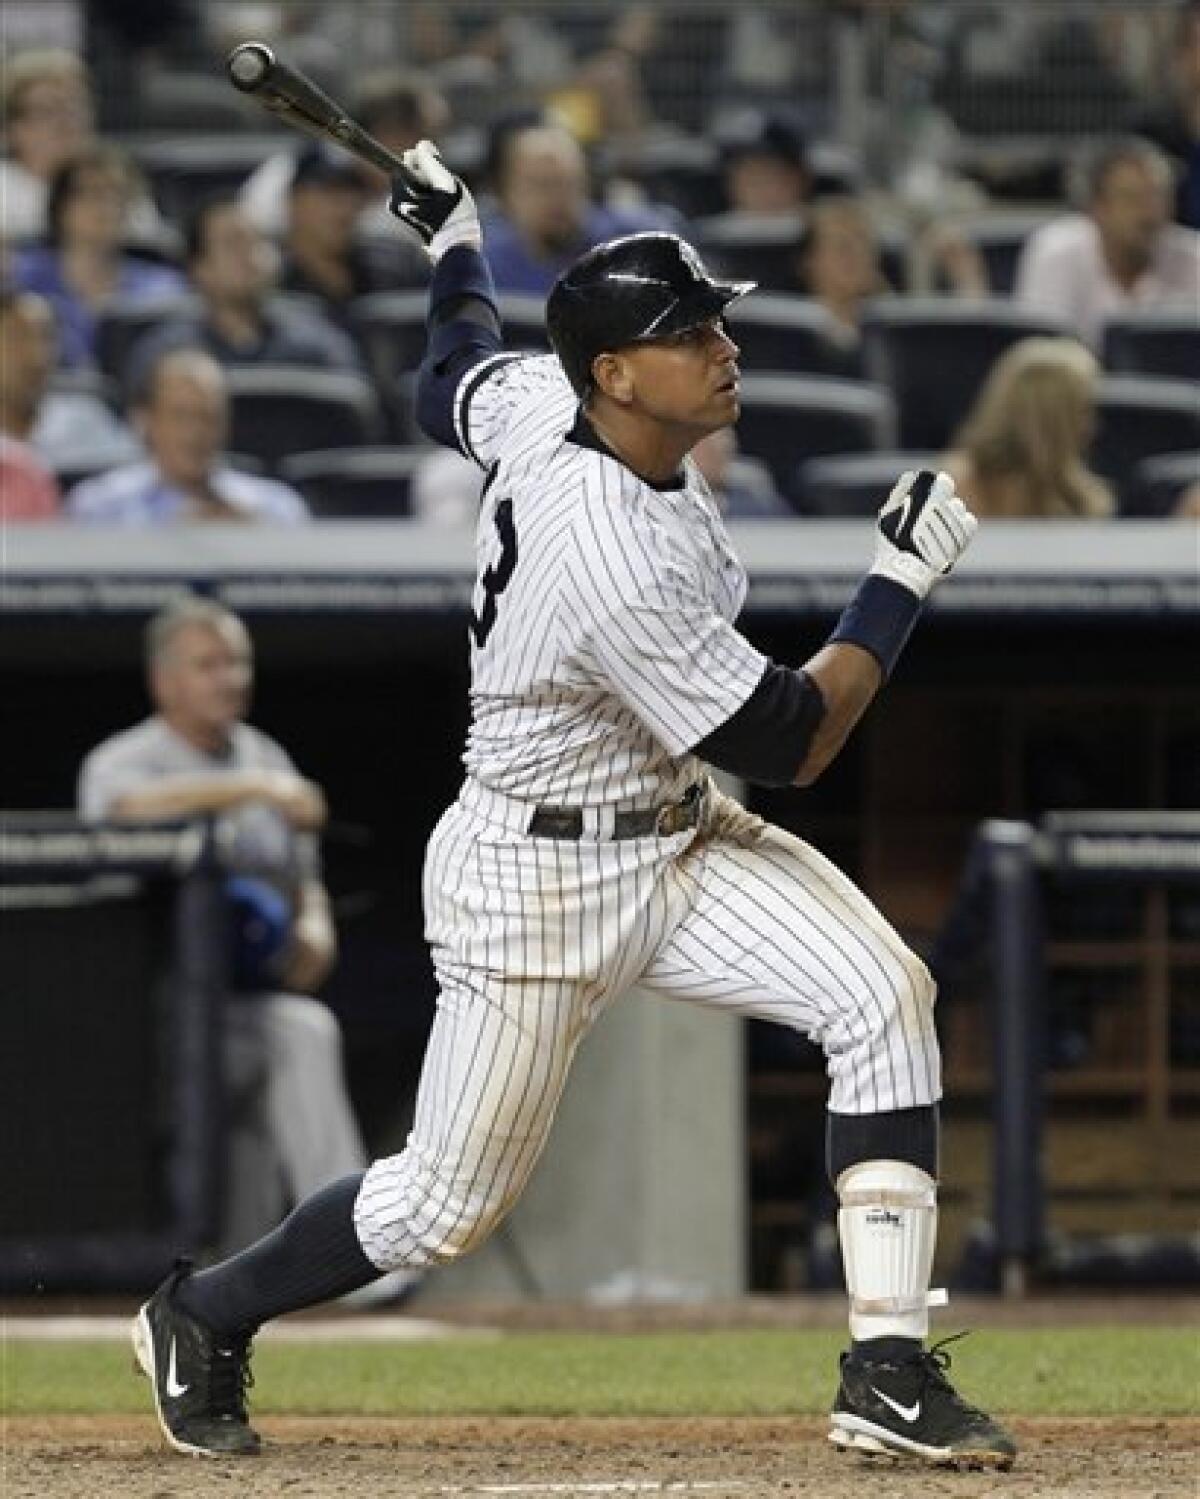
pixel 768 738
pixel 464 330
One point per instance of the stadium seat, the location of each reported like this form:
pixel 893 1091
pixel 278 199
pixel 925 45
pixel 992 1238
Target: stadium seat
pixel 763 248
pixel 787 418
pixel 999 238
pixel 786 335
pixel 125 320
pixel 751 247
pixel 1158 341
pixel 855 483
pixel 681 171
pixel 934 353
pixel 183 170
pixel 1140 417
pixel 359 482
pixel 524 320
pixel 1158 483
pixel 390 326
pixel 277 409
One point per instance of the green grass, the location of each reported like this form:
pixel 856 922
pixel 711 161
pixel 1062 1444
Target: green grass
pixel 1075 1371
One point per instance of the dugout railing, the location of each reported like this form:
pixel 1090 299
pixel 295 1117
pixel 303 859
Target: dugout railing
pixel 114 955
pixel 1011 874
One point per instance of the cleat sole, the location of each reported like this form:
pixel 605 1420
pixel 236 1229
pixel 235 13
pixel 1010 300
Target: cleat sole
pixel 854 1434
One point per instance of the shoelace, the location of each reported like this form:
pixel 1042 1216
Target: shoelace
pixel 935 1363
pixel 230 1379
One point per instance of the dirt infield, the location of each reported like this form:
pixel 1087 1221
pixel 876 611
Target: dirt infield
pixel 92 1458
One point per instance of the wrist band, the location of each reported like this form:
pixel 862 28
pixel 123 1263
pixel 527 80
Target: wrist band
pixel 879 618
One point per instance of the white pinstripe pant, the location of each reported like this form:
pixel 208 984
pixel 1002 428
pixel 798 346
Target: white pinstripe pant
pixel 532 938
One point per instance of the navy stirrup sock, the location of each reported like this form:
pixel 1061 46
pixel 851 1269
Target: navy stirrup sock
pixel 313 1256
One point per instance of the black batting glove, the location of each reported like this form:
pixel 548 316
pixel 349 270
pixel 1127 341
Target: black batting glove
pixel 435 204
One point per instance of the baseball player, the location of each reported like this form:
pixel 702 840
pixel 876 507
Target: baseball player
pixel 589 851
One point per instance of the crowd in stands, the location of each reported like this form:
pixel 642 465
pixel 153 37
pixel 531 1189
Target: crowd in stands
pixel 125 320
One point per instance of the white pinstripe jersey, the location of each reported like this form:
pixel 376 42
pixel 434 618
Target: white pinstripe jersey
pixel 603 642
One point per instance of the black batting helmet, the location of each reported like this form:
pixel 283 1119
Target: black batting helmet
pixel 629 291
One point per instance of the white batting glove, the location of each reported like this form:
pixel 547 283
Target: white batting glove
pixel 434 203
pixel 923 529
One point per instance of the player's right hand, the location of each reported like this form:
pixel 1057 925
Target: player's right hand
pixel 922 531
pixel 434 203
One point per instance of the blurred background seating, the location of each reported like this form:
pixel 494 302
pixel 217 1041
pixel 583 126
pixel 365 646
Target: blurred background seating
pixel 365 483
pixel 934 353
pixel 854 483
pixel 784 415
pixel 1140 417
pixel 272 406
pixel 1159 341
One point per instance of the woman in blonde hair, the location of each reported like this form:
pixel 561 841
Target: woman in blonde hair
pixel 1020 451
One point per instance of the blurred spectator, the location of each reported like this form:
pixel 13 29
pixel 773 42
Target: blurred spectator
pixel 28 490
pixel 85 264
pixel 839 265
pixel 604 102
pixel 183 417
pixel 62 427
pixel 233 268
pixel 765 165
pixel 736 494
pixel 398 108
pixel 544 217
pixel 1021 451
pixel 48 119
pixel 1174 124
pixel 1123 253
pixel 281 1049
pixel 322 257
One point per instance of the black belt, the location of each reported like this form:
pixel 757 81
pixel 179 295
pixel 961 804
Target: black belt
pixel 567 822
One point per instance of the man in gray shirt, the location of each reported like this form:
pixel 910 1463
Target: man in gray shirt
pixel 292 1128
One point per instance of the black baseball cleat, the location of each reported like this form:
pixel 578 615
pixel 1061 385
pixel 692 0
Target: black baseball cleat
pixel 909 1408
pixel 200 1381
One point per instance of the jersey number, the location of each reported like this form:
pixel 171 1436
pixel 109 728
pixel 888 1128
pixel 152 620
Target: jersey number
pixel 496 579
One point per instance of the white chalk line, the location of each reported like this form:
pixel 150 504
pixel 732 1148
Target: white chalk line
pixel 619 1486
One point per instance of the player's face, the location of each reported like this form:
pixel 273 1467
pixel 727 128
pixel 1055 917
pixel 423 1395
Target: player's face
pixel 203 681
pixel 689 379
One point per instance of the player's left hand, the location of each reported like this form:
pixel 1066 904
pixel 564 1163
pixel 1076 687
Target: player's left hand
pixel 923 529
pixel 434 203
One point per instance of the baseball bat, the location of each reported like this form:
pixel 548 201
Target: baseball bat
pixel 255 69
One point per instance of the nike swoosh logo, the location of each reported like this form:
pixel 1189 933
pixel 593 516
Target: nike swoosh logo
pixel 907 1413
pixel 174 1388
pixel 902 507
